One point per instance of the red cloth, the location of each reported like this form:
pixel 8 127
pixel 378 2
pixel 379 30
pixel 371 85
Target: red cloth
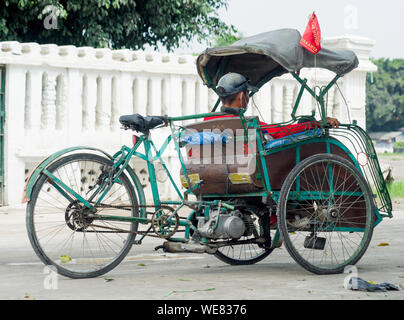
pixel 312 35
pixel 275 131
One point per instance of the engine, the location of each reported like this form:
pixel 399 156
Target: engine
pixel 230 225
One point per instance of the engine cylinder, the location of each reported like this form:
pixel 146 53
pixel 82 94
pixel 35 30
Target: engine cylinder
pixel 223 226
pixel 234 227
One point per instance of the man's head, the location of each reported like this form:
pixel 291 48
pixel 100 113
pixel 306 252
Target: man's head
pixel 233 90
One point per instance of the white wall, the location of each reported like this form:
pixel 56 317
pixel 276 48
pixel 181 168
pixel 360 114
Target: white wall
pixel 63 96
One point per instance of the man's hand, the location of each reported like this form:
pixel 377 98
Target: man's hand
pixel 334 123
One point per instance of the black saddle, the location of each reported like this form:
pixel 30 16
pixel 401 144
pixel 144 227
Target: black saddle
pixel 142 124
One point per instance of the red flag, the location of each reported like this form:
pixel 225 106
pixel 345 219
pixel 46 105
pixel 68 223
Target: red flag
pixel 312 36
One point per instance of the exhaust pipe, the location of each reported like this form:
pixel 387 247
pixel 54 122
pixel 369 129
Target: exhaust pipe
pixel 176 247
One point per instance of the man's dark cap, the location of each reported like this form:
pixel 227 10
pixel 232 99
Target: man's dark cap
pixel 232 83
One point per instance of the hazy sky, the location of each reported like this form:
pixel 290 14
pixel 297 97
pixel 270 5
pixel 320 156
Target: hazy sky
pixel 382 21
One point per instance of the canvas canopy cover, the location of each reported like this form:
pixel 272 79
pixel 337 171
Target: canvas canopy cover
pixel 267 55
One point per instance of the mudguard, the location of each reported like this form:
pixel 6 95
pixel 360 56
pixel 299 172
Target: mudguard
pixel 35 174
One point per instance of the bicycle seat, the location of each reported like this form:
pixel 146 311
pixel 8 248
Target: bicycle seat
pixel 142 124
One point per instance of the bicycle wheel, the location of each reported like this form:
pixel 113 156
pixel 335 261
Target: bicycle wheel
pixel 247 253
pixel 60 230
pixel 325 214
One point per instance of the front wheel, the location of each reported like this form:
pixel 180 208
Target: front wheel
pixel 62 232
pixel 325 214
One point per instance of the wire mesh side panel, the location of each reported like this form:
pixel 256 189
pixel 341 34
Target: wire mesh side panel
pixel 361 146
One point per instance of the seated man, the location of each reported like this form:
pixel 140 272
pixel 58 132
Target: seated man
pixel 233 90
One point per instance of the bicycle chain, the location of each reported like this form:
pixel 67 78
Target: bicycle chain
pixel 130 208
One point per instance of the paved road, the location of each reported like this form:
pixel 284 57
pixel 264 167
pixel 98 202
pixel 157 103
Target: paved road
pixel 145 274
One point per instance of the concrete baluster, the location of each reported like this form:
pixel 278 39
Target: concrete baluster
pixel 201 97
pixel 276 103
pixel 61 99
pixel 89 98
pixel 125 93
pixel 28 104
pixel 35 98
pixel 287 101
pixel 264 103
pixel 140 94
pixel 103 111
pixel 154 96
pixel 115 104
pixel 48 115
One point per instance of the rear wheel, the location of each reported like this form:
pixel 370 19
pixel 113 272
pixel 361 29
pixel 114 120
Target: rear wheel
pixel 325 214
pixel 248 253
pixel 61 230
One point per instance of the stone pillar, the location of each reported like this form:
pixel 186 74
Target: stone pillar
pixel 287 101
pixel 263 102
pixel 89 101
pixel 154 95
pixel 126 94
pixel 176 95
pixel 188 97
pixel 115 104
pixel 276 102
pixel 201 97
pixel 48 115
pixel 165 96
pixel 140 94
pixel 336 107
pixel 14 165
pixel 212 98
pixel 103 109
pixel 73 103
pixel 62 99
pixel 35 98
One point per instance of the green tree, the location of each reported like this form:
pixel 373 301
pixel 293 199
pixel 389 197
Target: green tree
pixel 113 23
pixel 385 96
pixel 227 39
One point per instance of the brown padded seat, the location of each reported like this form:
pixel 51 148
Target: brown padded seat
pixel 241 176
pixel 224 168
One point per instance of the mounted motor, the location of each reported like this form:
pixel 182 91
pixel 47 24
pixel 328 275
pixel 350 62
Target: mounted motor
pixel 231 225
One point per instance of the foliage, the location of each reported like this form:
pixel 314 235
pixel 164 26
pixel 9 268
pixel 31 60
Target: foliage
pixel 227 39
pixel 396 189
pixel 385 96
pixel 113 23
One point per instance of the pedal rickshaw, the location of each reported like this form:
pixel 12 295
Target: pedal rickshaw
pixel 87 208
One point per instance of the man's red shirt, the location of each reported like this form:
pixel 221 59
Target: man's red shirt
pixel 275 131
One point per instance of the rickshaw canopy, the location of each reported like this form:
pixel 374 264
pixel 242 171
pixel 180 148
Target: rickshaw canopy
pixel 270 54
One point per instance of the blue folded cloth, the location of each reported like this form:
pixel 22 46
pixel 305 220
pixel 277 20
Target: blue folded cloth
pixel 294 138
pixel 201 138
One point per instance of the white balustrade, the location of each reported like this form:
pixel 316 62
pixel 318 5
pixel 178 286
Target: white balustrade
pixel 62 96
